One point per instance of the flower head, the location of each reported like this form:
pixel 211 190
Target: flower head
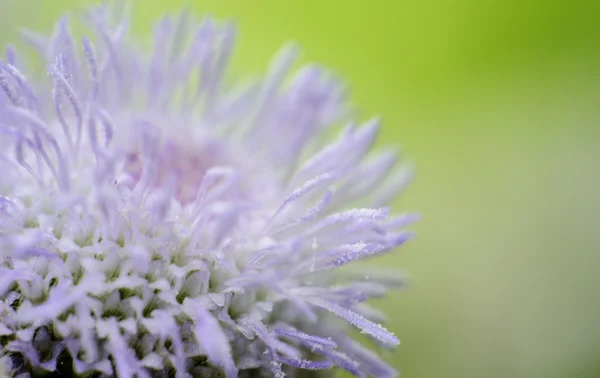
pixel 156 221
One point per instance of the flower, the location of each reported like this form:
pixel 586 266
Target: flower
pixel 156 221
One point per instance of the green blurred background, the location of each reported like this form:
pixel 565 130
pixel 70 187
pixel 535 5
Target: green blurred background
pixel 497 102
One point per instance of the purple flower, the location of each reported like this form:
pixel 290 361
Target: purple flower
pixel 157 221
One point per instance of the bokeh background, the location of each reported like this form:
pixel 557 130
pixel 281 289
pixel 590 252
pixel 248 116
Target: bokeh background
pixel 498 104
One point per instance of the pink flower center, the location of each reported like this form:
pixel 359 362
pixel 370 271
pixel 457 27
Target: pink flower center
pixel 185 163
